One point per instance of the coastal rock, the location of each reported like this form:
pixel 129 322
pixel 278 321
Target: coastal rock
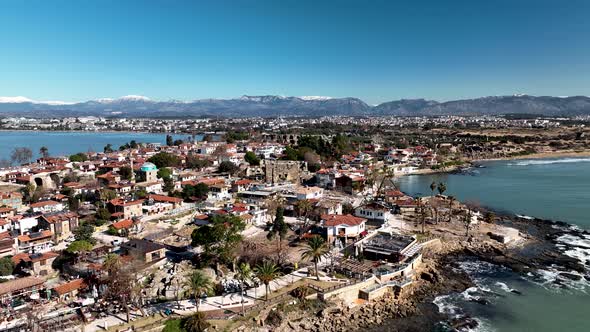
pixel 464 323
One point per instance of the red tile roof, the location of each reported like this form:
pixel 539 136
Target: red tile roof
pixel 123 224
pixel 164 198
pixel 338 219
pixel 70 286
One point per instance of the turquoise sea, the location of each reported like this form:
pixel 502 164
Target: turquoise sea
pixel 556 189
pixel 68 143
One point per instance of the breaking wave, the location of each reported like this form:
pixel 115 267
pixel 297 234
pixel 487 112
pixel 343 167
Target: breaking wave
pixel 549 161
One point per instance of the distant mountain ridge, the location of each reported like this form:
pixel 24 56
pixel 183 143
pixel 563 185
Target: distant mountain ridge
pixel 270 105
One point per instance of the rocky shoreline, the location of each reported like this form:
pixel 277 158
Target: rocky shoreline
pixel 413 310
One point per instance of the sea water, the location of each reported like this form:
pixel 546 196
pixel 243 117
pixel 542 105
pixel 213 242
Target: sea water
pixel 557 189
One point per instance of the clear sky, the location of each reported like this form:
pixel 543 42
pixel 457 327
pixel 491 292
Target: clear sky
pixel 374 50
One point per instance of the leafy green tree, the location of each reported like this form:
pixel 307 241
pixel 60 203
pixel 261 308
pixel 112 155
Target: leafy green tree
pixel 196 284
pixel 6 266
pixel 198 191
pixel 290 154
pixel 220 238
pixel 228 167
pixel 164 173
pixel 164 159
pixel 103 214
pixel 169 140
pixel 73 203
pixel 316 250
pixel 78 157
pixel 168 185
pixel 252 159
pixel 79 246
pixel 267 272
pixel 85 232
pixel 278 229
pixel 126 172
pixel 195 162
pixel 141 193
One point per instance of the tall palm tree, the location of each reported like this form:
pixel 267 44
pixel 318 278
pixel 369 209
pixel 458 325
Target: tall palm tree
pixel 195 323
pixel 451 201
pixel 422 212
pixel 432 187
pixel 243 274
pixel 44 152
pixel 112 263
pixel 304 206
pixel 267 272
pixel 316 250
pixel 197 283
pixel 442 187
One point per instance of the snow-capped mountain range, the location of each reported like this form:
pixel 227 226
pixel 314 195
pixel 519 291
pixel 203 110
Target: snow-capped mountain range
pixel 271 105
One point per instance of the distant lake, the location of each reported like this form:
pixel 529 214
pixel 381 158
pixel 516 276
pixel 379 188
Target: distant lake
pixel 67 143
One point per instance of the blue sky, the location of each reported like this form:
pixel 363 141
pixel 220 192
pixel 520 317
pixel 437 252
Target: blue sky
pixel 374 50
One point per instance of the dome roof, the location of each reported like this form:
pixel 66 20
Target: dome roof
pixel 148 167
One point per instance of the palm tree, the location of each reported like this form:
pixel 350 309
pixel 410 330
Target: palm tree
pixel 304 206
pixel 112 263
pixel 451 201
pixel 195 323
pixel 267 272
pixel 421 212
pixel 442 187
pixel 44 152
pixel 198 283
pixel 467 221
pixel 243 274
pixel 316 250
pixel 432 187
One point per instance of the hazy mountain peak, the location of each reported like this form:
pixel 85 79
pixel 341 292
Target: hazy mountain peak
pixel 310 98
pixel 269 105
pixel 14 100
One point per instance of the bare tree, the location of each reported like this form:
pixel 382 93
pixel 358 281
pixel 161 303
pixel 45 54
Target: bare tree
pixel 21 155
pixel 5 163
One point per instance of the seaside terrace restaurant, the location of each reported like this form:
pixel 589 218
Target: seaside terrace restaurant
pixel 384 246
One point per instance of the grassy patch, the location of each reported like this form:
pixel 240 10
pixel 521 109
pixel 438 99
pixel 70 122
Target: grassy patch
pixel 173 325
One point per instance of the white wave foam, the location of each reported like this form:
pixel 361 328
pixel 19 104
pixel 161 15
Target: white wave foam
pixel 549 161
pixel 504 287
pixel 446 306
pixel 581 243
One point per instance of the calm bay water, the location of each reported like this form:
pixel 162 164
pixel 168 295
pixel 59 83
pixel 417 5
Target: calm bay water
pixel 556 189
pixel 68 143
